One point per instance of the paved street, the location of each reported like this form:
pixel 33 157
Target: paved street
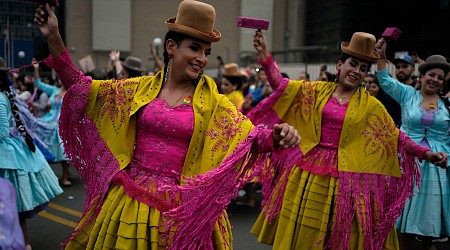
pixel 48 229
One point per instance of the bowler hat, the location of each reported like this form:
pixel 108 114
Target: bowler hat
pixel 361 46
pixel 133 63
pixel 195 19
pixel 3 65
pixel 231 69
pixel 434 61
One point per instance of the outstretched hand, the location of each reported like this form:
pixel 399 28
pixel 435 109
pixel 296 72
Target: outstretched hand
pixel 286 135
pixel 437 158
pixel 260 44
pixel 47 26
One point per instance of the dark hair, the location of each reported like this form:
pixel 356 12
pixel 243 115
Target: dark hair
pixel 235 80
pixel 177 37
pixel 5 88
pixel 375 78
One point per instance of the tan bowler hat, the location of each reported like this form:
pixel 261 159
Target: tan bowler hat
pixel 361 46
pixel 195 19
pixel 231 69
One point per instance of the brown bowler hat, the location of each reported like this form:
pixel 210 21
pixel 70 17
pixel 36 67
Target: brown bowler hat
pixel 434 61
pixel 195 19
pixel 133 63
pixel 361 46
pixel 3 65
pixel 231 69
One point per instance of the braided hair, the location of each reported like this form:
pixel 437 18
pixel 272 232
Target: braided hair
pixel 5 88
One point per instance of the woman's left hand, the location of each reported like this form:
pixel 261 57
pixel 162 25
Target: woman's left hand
pixel 437 158
pixel 286 135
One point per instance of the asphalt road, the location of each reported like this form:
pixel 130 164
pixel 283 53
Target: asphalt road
pixel 50 228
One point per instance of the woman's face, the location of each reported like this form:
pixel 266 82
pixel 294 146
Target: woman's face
pixel 190 58
pixel 227 87
pixel 432 81
pixel 371 86
pixel 351 73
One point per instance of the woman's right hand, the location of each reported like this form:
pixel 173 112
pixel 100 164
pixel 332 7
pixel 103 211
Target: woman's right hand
pixel 260 44
pixel 50 26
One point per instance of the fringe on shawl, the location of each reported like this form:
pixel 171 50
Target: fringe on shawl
pixel 95 163
pixel 206 196
pixel 376 200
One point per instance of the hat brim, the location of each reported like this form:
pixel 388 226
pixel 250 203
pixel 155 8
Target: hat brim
pixel 371 58
pixel 132 68
pixel 440 65
pixel 213 37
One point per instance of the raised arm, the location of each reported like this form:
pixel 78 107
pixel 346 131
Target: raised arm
pixel 61 62
pixel 265 59
pixel 158 62
pixel 398 91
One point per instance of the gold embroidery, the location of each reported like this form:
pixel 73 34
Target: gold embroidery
pixel 225 129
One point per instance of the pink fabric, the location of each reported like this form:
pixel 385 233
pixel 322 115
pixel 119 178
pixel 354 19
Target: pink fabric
pixel 155 184
pixel 162 139
pixel 323 158
pixel 387 193
pixel 206 196
pixel 77 131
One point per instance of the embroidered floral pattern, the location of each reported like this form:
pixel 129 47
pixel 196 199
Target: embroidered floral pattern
pixel 224 130
pixel 377 138
pixel 111 99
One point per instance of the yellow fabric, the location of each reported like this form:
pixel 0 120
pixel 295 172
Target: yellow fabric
pixel 304 219
pixel 236 97
pixel 369 138
pixel 124 223
pixel 218 126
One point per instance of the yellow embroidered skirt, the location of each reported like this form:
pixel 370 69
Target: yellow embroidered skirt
pixel 125 223
pixel 303 222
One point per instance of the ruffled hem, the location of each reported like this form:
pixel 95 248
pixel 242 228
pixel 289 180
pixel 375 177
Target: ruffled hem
pixel 33 189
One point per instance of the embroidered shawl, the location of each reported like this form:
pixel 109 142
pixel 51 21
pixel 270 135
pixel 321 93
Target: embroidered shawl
pixel 98 127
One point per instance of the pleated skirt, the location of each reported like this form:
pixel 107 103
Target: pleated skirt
pixel 427 212
pixel 125 223
pixel 34 189
pixel 304 220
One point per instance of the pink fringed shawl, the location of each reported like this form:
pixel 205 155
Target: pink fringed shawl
pixel 376 175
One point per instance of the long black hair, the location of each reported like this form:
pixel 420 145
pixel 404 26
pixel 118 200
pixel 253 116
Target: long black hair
pixel 5 88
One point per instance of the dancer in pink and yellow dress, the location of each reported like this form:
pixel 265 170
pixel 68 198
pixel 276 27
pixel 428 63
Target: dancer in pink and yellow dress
pixel 135 141
pixel 350 186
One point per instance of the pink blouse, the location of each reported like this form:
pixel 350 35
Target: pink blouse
pixel 323 158
pixel 162 141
